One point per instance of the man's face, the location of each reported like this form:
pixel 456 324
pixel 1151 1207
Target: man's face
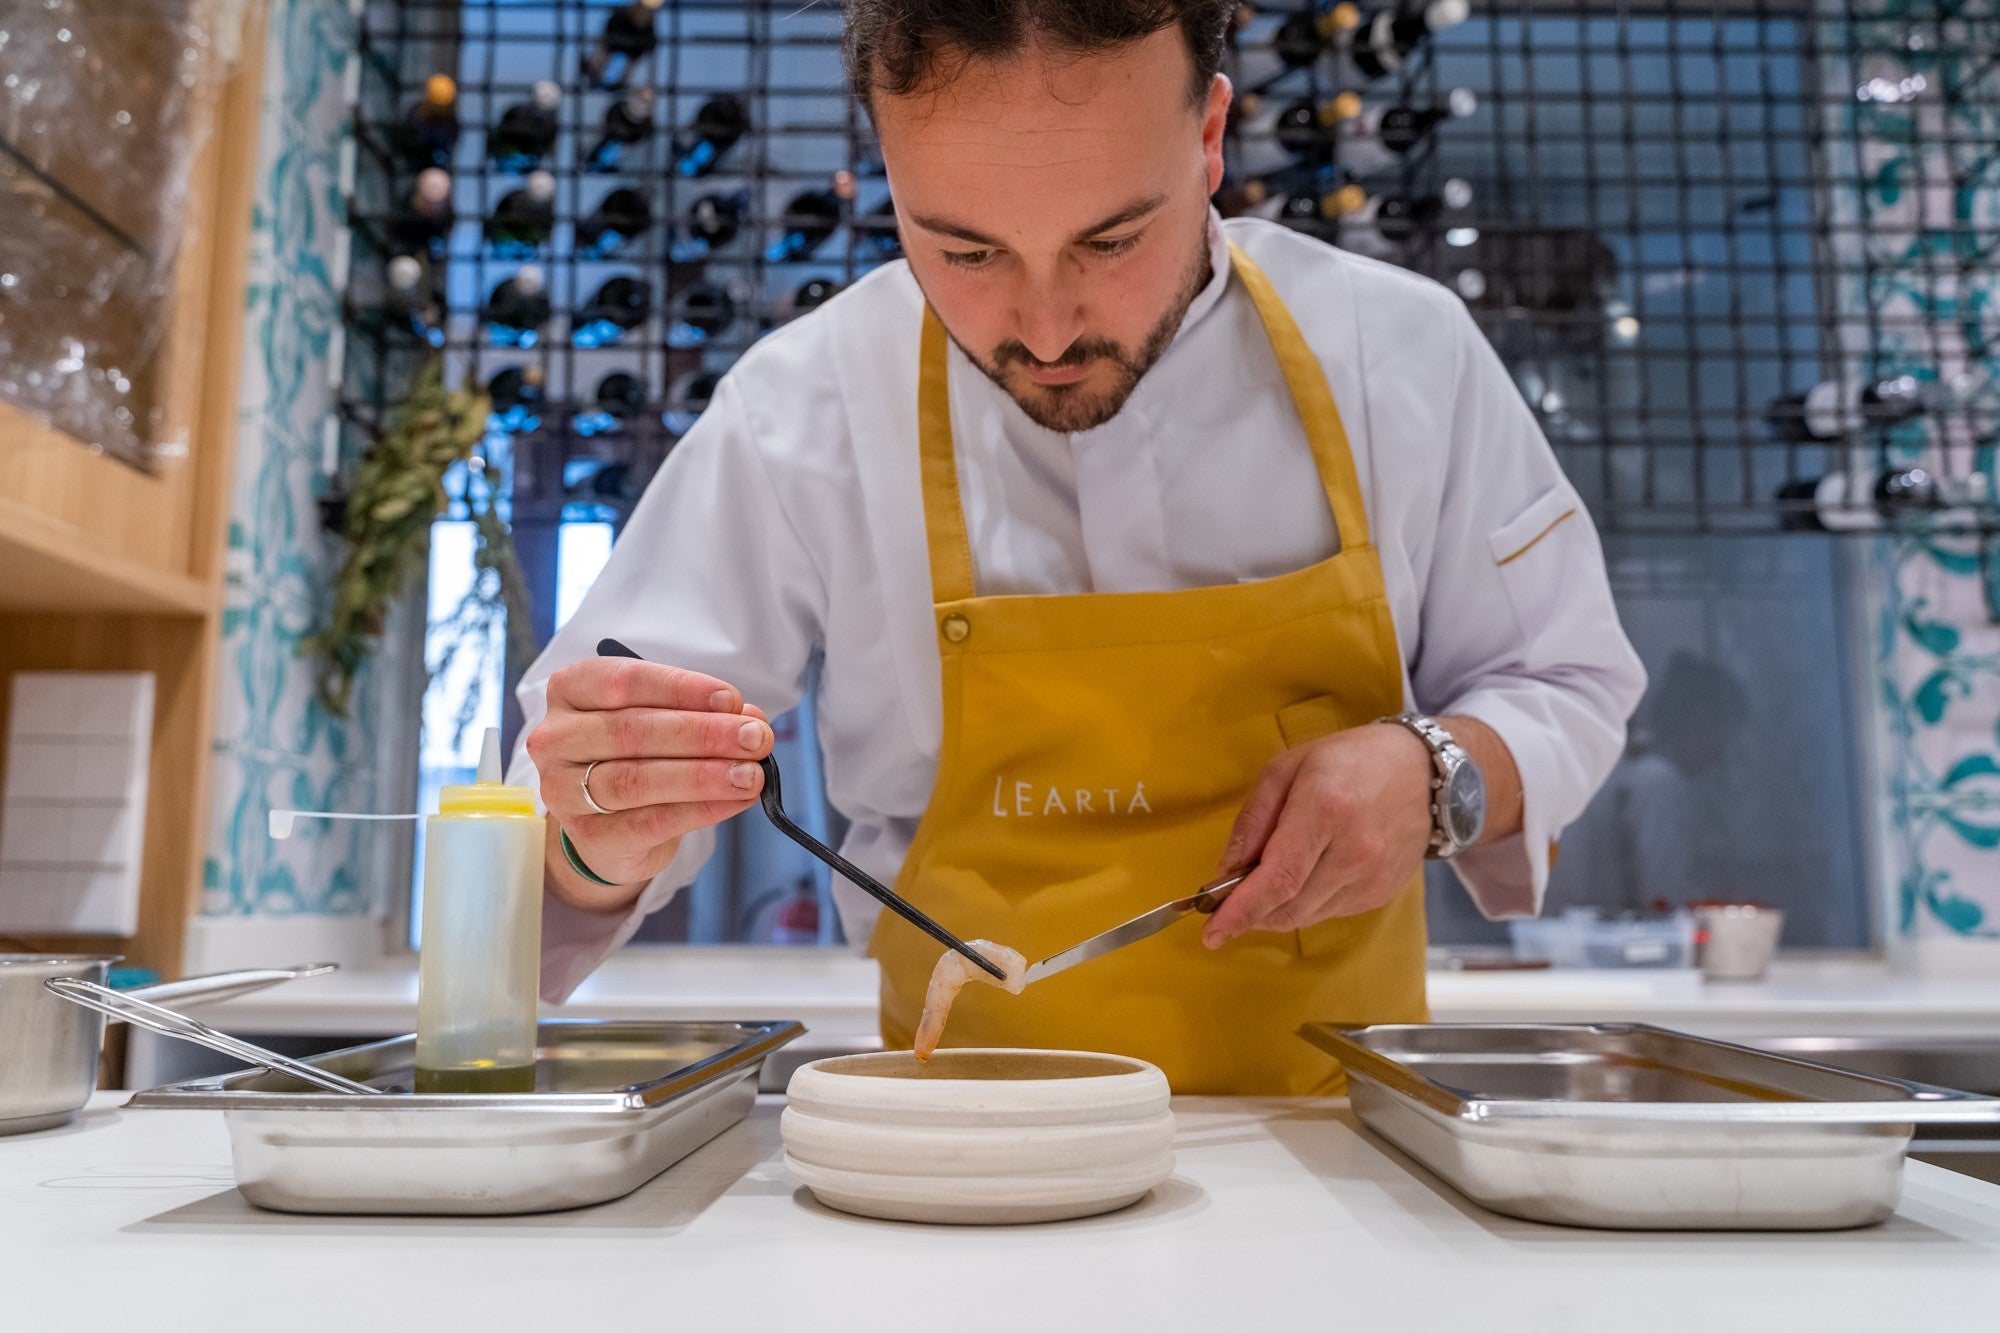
pixel 1055 211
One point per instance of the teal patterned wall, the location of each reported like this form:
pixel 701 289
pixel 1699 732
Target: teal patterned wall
pixel 1919 130
pixel 274 744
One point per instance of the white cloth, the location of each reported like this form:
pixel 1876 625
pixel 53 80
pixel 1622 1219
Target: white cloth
pixel 789 525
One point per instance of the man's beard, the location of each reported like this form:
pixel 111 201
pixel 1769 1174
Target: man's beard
pixel 1070 408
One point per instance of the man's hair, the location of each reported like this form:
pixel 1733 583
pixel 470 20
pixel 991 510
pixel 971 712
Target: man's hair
pixel 901 46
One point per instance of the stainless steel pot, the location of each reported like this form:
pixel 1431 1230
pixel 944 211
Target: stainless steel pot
pixel 49 1049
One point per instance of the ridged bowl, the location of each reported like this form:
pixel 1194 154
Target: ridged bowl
pixel 979 1135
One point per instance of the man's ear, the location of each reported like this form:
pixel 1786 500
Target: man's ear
pixel 1214 117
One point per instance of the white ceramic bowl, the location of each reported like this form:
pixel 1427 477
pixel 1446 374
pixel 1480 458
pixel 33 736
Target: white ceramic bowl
pixel 979 1135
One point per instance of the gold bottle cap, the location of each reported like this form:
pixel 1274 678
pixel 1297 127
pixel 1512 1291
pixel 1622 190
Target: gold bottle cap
pixel 1341 18
pixel 1347 199
pixel 1345 107
pixel 440 90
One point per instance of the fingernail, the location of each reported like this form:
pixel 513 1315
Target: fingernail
pixel 743 775
pixel 722 701
pixel 1211 939
pixel 751 733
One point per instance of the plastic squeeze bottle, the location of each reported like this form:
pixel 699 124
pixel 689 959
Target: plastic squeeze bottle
pixel 481 960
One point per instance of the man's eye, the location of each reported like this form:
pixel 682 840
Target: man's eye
pixel 1118 247
pixel 967 258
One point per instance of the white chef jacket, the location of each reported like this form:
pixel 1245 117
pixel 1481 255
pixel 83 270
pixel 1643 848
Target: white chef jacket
pixel 788 525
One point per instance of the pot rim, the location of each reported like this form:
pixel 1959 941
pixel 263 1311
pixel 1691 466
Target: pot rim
pixel 47 959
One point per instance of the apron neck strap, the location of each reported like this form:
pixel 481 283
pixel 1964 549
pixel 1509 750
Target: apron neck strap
pixel 944 509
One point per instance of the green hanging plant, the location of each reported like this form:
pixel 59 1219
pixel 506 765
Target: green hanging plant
pixel 397 491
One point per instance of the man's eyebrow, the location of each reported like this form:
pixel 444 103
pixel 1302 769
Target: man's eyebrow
pixel 972 236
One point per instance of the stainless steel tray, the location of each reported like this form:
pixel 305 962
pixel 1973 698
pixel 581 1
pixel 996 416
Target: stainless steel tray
pixel 615 1104
pixel 1630 1126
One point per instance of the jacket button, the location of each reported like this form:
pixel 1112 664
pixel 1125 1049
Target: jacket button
pixel 956 627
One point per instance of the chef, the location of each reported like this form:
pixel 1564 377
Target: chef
pixel 1128 545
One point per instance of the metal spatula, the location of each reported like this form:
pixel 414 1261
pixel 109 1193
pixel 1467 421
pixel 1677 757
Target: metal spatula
pixel 1203 900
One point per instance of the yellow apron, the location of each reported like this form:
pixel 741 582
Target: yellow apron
pixel 1097 748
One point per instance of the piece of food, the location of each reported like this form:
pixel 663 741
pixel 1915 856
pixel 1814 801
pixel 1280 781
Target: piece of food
pixel 948 978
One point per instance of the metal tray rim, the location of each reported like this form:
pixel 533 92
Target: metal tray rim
pixel 1921 1103
pixel 763 1036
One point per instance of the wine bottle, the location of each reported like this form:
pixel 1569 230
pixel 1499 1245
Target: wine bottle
pixel 620 397
pixel 619 306
pixel 423 225
pixel 718 123
pixel 516 395
pixel 1304 37
pixel 1910 497
pixel 428 133
pixel 1832 409
pixel 628 37
pixel 688 399
pixel 628 122
pixel 1399 218
pixel 712 222
pixel 618 218
pixel 518 308
pixel 701 313
pixel 809 219
pixel 527 130
pixel 415 291
pixel 523 218
pixel 1306 129
pixel 807 296
pixel 1392 33
pixel 1402 127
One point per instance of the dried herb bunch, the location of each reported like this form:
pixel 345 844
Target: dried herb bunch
pixel 396 493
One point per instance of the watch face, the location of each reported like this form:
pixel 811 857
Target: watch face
pixel 1464 804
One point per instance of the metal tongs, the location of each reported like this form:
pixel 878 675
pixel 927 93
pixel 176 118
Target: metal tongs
pixel 1203 900
pixel 775 809
pixel 172 1023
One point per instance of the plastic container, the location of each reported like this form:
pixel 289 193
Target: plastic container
pixel 1579 938
pixel 480 966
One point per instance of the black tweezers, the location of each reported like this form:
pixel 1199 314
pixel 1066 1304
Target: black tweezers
pixel 775 809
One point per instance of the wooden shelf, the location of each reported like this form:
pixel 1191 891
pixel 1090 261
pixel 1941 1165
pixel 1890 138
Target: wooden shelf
pixel 51 567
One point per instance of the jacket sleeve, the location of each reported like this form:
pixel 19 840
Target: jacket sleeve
pixel 710 575
pixel 1518 628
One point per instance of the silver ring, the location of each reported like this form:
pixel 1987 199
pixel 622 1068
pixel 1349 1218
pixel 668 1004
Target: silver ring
pixel 588 799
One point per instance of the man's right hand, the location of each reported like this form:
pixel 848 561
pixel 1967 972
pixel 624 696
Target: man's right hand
pixel 674 750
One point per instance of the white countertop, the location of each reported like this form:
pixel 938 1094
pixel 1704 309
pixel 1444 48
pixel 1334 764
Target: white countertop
pixel 1281 1214
pixel 833 993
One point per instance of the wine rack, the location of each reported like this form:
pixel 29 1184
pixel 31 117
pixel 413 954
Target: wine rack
pixel 1740 257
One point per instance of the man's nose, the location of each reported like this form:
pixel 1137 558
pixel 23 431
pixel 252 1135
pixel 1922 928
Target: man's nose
pixel 1049 317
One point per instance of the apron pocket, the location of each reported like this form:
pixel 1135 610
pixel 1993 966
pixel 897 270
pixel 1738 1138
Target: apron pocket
pixel 1310 719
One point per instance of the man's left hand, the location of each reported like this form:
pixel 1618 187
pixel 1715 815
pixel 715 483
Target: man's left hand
pixel 1335 828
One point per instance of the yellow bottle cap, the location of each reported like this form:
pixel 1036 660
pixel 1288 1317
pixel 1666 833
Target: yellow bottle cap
pixel 1342 18
pixel 440 90
pixel 1344 107
pixel 486 798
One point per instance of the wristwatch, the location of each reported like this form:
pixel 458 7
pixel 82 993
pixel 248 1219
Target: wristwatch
pixel 1458 788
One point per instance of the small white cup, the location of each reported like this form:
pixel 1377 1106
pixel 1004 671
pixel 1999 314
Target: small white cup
pixel 1736 941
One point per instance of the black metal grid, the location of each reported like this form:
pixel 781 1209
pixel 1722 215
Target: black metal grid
pixel 1677 219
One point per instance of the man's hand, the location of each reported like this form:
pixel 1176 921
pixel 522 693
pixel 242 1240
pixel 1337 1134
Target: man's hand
pixel 674 750
pixel 1339 824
